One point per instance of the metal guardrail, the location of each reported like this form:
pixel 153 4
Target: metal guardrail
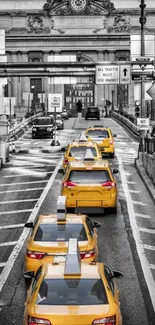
pixel 22 125
pixel 148 144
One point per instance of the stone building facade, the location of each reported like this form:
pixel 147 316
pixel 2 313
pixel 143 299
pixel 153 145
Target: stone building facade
pixel 90 30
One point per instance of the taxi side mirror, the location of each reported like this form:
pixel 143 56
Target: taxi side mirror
pixel 96 224
pixel 29 275
pixel 60 171
pixel 115 171
pixel 117 274
pixel 114 135
pixel 63 149
pixel 29 225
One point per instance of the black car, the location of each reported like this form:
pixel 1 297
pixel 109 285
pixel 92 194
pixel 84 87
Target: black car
pixel 43 126
pixel 59 122
pixel 92 112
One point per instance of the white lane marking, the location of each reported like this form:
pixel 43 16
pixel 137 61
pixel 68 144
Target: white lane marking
pixel 2 264
pixel 130 182
pixel 24 174
pixel 122 130
pixel 12 226
pixel 134 191
pixel 145 216
pixel 15 211
pixel 8 267
pixel 152 266
pixel 136 234
pixel 139 203
pixel 10 243
pixel 24 190
pixel 149 247
pixel 21 183
pixel 19 201
pixel 147 230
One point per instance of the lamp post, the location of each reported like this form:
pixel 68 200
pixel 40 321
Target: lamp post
pixel 142 21
pixel 112 95
pixel 34 99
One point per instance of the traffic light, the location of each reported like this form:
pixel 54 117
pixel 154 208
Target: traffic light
pixel 137 108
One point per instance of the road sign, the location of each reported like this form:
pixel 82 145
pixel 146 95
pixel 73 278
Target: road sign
pixel 151 91
pixel 55 102
pixel 143 123
pixel 107 74
pixel 125 74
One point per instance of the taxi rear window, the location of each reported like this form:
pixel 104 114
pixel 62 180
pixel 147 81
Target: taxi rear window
pixel 89 176
pixel 81 151
pixel 44 121
pixel 72 292
pixel 60 232
pixel 98 134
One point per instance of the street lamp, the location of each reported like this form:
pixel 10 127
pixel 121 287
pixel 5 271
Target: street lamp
pixel 34 99
pixel 142 21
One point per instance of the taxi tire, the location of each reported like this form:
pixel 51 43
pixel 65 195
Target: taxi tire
pixel 114 210
pixel 112 155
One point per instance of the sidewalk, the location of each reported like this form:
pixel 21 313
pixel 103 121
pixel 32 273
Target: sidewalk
pixel 145 178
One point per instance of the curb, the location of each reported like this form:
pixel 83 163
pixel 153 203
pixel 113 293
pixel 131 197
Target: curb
pixel 145 178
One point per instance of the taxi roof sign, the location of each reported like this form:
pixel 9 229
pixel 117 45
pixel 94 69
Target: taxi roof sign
pixel 61 208
pixel 83 138
pixel 73 259
pixel 89 155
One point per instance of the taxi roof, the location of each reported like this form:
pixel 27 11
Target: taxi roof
pixel 77 143
pixel 70 218
pixel 56 271
pixel 100 163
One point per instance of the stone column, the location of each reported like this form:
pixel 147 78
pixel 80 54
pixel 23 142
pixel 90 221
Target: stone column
pixel 111 87
pixel 99 89
pixel 19 82
pixel 106 87
pixel 14 86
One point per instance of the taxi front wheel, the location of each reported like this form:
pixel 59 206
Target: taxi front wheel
pixel 114 210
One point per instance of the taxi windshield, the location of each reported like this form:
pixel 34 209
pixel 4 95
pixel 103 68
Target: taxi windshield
pixel 81 151
pixel 97 134
pixel 89 176
pixel 60 232
pixel 72 292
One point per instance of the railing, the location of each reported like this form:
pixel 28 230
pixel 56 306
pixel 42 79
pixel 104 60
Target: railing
pixel 21 125
pixel 148 143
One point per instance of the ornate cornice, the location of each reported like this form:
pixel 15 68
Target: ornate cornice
pixel 64 7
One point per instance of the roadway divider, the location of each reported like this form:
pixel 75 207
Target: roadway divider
pixel 132 126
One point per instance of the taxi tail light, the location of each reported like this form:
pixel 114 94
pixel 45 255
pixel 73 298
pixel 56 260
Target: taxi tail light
pixel 109 184
pixel 65 161
pixel 35 255
pixel 106 320
pixel 87 254
pixel 36 321
pixel 69 184
pixel 111 141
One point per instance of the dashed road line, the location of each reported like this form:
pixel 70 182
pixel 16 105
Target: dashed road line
pixel 130 182
pixel 134 191
pixel 22 183
pixel 24 190
pixel 16 211
pixel 14 254
pixel 19 201
pixel 147 230
pixel 145 216
pixel 11 243
pixel 149 247
pixel 24 174
pixel 12 226
pixel 3 264
pixel 152 266
pixel 139 203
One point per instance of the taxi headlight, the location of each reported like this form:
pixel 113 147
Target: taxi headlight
pixel 34 129
pixel 49 129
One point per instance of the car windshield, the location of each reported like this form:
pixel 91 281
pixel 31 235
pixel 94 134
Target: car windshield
pixel 97 134
pixel 89 176
pixel 44 121
pixel 81 151
pixel 60 232
pixel 72 292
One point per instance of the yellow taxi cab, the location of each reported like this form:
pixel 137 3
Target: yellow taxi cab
pixel 103 137
pixel 73 293
pixel 48 241
pixel 76 150
pixel 89 184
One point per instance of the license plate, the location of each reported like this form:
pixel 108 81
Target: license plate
pixel 58 259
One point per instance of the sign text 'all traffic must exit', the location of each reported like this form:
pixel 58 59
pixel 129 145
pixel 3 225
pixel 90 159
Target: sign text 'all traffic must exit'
pixel 113 74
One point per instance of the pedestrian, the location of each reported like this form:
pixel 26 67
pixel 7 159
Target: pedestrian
pixel 79 106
